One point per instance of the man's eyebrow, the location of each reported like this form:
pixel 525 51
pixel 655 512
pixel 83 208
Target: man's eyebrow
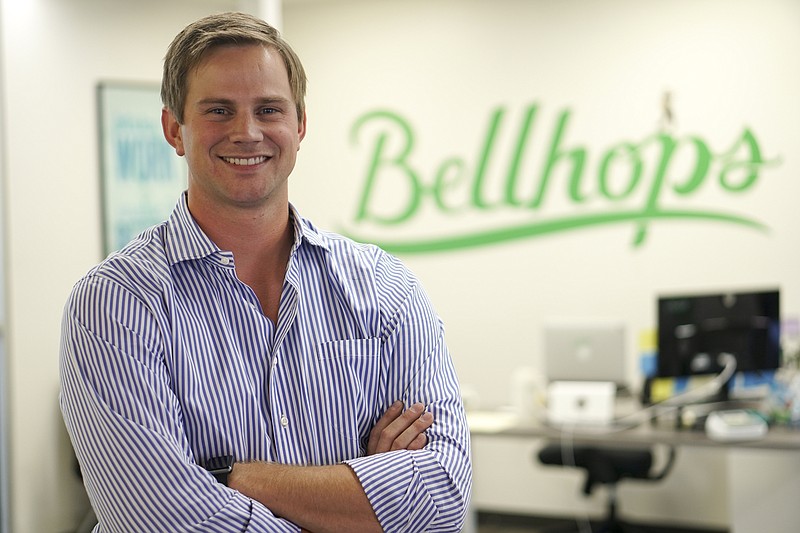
pixel 275 100
pixel 227 101
pixel 214 101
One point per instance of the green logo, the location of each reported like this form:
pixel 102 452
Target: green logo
pixel 632 182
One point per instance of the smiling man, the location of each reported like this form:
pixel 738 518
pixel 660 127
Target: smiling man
pixel 234 368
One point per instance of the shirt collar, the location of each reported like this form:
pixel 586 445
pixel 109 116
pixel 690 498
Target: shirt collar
pixel 185 240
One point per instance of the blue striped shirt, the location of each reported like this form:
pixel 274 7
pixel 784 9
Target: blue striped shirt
pixel 167 361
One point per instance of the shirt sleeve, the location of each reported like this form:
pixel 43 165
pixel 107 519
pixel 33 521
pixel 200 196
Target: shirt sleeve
pixel 429 489
pixel 125 423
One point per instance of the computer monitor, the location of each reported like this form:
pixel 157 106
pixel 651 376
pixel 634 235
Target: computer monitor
pixel 693 330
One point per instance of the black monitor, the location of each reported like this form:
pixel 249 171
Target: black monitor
pixel 694 330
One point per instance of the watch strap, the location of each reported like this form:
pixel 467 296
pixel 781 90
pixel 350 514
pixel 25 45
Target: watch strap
pixel 220 467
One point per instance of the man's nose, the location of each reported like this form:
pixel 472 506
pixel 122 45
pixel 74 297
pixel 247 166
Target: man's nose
pixel 245 128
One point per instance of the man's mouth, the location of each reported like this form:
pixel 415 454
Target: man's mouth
pixel 245 161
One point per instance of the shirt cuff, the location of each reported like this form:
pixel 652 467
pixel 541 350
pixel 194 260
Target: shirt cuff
pixel 394 485
pixel 261 518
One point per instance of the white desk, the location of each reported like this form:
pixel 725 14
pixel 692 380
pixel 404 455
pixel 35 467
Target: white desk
pixel 744 487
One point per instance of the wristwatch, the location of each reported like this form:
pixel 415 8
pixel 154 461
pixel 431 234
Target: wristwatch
pixel 220 467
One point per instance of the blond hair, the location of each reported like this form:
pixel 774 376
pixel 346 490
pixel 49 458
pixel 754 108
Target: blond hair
pixel 190 46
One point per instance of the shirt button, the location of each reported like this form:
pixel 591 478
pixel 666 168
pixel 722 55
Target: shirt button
pixel 225 261
pixel 284 421
pixel 274 362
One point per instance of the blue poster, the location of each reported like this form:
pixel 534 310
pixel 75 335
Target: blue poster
pixel 142 176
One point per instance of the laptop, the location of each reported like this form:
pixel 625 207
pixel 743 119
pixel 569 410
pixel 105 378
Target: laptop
pixel 585 351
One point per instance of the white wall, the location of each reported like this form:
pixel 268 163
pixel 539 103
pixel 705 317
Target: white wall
pixel 444 65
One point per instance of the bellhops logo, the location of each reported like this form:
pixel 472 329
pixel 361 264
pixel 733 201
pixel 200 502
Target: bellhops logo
pixel 544 187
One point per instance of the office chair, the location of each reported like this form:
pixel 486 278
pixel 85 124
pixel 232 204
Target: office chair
pixel 607 466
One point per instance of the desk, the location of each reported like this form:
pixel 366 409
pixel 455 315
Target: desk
pixel 508 424
pixel 744 487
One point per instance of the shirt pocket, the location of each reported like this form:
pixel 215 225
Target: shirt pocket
pixel 347 391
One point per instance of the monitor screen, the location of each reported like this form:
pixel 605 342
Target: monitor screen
pixel 694 330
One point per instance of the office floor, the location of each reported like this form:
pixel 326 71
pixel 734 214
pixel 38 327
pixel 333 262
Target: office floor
pixel 500 523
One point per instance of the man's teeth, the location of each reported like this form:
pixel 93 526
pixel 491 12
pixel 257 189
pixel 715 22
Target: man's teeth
pixel 245 160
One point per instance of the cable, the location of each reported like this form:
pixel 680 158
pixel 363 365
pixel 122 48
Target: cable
pixel 567 443
pixel 693 395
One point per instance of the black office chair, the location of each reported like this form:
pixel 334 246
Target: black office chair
pixel 607 466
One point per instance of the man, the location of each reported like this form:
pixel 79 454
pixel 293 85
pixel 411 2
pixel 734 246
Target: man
pixel 236 369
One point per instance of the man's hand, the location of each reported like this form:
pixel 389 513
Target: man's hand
pixel 400 430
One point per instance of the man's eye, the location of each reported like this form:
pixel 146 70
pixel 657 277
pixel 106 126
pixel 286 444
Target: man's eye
pixel 217 111
pixel 267 111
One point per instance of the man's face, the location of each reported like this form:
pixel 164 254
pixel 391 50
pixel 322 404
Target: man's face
pixel 241 132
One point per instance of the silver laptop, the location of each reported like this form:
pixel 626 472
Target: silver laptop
pixel 585 351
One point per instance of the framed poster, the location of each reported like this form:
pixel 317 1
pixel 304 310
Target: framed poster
pixel 141 175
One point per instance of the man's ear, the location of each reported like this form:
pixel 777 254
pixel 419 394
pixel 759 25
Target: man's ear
pixel 301 127
pixel 172 131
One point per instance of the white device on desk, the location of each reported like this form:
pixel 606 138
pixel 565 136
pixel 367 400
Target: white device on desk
pixel 581 402
pixel 735 425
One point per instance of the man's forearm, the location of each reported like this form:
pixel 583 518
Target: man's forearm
pixel 316 498
pixel 331 498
